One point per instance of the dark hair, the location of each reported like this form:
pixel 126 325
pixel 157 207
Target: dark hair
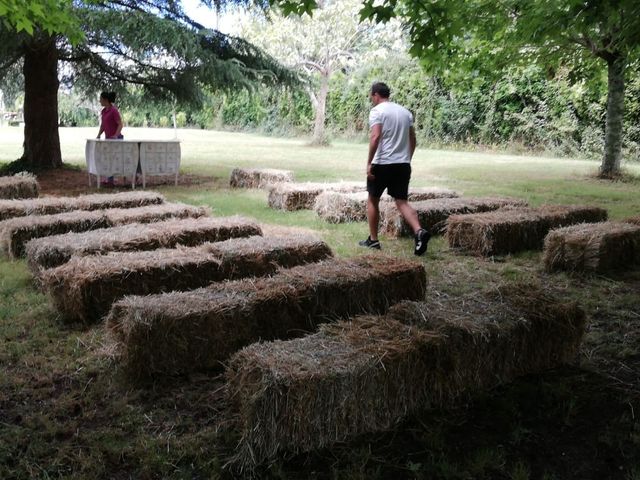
pixel 110 96
pixel 381 89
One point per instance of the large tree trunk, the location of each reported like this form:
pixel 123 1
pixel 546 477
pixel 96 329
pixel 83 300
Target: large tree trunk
pixel 41 139
pixel 321 109
pixel 615 111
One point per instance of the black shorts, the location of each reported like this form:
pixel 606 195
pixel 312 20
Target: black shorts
pixel 394 177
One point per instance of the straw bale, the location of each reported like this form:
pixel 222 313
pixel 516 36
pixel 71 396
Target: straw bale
pixel 593 247
pixel 258 177
pixel 434 213
pixel 181 332
pixel 49 252
pixel 53 205
pixel 302 196
pixel 16 232
pixel 20 185
pixel 366 375
pixel 635 220
pixel 84 288
pixel 337 207
pixel 154 213
pixel 512 230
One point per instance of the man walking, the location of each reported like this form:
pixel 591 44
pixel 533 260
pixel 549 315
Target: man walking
pixel 392 142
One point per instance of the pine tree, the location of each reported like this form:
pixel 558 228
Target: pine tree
pixel 105 45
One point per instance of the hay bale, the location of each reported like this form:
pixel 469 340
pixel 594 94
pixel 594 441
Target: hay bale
pixel 20 185
pixel 593 247
pixel 635 220
pixel 84 288
pixel 258 177
pixel 53 205
pixel 49 252
pixel 434 213
pixel 512 230
pixel 154 213
pixel 16 232
pixel 337 207
pixel 302 196
pixel 182 332
pixel 366 375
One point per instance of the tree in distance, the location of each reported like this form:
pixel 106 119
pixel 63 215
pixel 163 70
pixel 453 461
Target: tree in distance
pixel 319 46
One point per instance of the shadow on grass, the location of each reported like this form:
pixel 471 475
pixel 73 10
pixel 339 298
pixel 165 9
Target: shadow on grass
pixel 569 423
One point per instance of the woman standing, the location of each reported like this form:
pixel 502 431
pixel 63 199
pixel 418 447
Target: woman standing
pixel 110 122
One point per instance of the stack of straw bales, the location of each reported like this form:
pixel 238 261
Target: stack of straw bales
pixel 182 332
pixel 49 252
pixel 21 185
pixel 53 205
pixel 595 247
pixel 512 230
pixel 84 288
pixel 16 232
pixel 336 207
pixel 258 177
pixel 434 213
pixel 367 375
pixel 302 196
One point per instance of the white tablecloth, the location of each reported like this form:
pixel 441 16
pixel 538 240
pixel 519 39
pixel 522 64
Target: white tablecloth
pixel 108 158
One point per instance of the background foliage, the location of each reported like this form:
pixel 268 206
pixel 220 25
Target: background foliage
pixel 526 109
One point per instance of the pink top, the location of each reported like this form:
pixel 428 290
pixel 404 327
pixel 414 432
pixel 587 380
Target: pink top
pixel 110 120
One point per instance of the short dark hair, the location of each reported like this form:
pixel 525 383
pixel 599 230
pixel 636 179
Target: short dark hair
pixel 110 96
pixel 381 89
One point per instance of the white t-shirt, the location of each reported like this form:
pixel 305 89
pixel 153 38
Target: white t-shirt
pixel 394 143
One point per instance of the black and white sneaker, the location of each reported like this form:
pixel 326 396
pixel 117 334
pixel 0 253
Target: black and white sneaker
pixel 422 240
pixel 368 243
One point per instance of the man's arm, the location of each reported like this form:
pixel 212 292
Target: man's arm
pixel 412 141
pixel 374 141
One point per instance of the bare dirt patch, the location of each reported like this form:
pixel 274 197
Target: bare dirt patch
pixel 69 181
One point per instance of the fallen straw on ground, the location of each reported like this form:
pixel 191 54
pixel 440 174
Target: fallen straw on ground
pixel 53 205
pixel 182 332
pixel 368 374
pixel 258 177
pixel 337 207
pixel 84 288
pixel 593 247
pixel 16 232
pixel 302 196
pixel 18 186
pixel 434 213
pixel 49 252
pixel 513 230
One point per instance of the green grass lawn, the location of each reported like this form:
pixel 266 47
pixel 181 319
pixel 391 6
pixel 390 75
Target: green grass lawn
pixel 66 413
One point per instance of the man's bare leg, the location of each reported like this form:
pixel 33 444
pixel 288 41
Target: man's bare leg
pixel 409 214
pixel 373 216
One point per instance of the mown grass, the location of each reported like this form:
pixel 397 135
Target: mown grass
pixel 66 413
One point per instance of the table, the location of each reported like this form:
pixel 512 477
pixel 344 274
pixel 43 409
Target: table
pixel 108 158
pixel 159 157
